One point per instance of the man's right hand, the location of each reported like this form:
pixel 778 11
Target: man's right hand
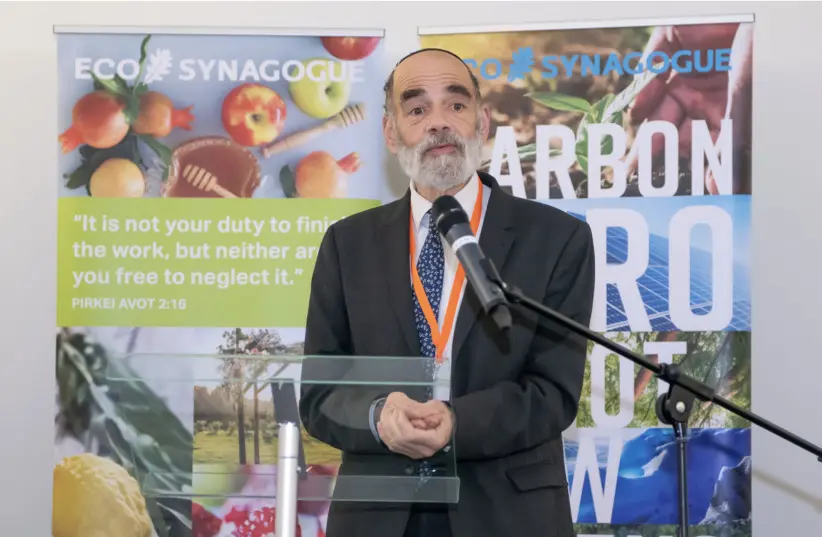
pixel 408 427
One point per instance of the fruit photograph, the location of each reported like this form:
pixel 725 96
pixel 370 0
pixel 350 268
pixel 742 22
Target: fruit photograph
pixel 170 432
pixel 181 116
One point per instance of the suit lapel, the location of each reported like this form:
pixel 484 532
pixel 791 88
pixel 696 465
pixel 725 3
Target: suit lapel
pixel 392 240
pixel 495 241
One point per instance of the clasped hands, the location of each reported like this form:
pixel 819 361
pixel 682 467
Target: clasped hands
pixel 416 430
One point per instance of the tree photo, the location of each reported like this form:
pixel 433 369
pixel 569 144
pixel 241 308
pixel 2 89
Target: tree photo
pixel 234 419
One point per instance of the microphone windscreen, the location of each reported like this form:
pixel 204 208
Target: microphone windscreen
pixel 447 212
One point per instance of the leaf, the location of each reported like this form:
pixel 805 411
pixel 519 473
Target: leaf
pixel 140 89
pixel 132 109
pixel 607 144
pixel 525 153
pixel 143 54
pixel 527 148
pixel 116 86
pixel 161 149
pixel 157 517
pixel 559 101
pixel 138 405
pixel 168 505
pixel 582 159
pixel 581 148
pixel 600 107
pixel 92 158
pixel 287 181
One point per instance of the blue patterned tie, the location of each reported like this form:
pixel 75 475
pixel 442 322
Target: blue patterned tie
pixel 431 268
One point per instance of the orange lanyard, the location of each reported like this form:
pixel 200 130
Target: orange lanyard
pixel 440 338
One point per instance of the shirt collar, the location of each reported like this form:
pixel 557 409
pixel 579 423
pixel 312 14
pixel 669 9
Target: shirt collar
pixel 467 198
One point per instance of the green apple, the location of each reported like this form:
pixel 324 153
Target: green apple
pixel 213 483
pixel 315 93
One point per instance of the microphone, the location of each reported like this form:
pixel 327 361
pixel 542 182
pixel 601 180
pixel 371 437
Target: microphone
pixel 453 224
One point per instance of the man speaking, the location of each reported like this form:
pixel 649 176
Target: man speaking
pixel 385 283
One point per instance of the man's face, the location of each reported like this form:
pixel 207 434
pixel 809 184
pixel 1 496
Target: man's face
pixel 437 127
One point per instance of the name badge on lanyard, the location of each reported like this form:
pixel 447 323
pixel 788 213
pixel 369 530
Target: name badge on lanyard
pixel 440 337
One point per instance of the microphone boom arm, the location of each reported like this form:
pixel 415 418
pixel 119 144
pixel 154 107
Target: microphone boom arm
pixel 669 373
pixel 672 408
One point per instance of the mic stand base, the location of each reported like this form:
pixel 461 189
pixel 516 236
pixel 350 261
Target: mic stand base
pixel 674 409
pixel 680 433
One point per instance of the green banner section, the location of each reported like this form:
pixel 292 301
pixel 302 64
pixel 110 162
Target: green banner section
pixel 190 262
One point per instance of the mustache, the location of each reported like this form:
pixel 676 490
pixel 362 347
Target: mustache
pixel 443 138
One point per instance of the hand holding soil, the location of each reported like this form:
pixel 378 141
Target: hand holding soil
pixel 681 98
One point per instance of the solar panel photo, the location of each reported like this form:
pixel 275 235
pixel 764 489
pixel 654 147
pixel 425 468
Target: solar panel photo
pixel 653 285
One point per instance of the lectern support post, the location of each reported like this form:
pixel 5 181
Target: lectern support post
pixel 288 450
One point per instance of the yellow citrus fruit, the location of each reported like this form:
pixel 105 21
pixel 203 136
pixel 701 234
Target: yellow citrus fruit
pixel 96 497
pixel 117 178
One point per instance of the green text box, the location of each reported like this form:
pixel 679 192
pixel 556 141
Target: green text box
pixel 190 262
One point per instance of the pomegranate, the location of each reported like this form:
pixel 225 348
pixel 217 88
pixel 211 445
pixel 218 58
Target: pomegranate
pixel 158 117
pixel 98 119
pixel 203 522
pixel 259 523
pixel 319 175
pixel 237 516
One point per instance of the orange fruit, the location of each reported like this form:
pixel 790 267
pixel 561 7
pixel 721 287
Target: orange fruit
pixel 317 176
pixel 320 175
pixel 117 178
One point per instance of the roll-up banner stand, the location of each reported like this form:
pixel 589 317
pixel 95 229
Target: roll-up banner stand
pixel 198 169
pixel 642 128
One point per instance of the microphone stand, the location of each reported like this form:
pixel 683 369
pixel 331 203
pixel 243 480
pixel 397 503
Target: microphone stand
pixel 672 408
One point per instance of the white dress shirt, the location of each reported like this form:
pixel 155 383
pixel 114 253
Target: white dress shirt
pixel 466 197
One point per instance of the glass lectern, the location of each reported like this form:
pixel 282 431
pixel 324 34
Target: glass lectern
pixel 273 427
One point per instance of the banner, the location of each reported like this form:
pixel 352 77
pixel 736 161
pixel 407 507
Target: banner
pixel 198 173
pixel 644 131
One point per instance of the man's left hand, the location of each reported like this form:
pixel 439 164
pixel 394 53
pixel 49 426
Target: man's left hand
pixel 437 418
pixel 419 431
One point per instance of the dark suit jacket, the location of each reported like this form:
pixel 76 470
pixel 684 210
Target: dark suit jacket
pixel 513 395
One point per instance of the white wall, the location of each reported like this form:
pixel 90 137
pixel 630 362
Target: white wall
pixel 788 192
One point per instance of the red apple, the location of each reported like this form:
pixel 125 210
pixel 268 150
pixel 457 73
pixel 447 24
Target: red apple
pixel 253 114
pixel 350 48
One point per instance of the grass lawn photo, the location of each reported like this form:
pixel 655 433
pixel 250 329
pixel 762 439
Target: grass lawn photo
pixel 242 405
pixel 221 446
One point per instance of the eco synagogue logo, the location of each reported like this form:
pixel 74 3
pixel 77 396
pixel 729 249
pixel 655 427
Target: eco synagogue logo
pixel 523 62
pixel 160 64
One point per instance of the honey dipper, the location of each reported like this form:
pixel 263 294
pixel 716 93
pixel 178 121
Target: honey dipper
pixel 201 179
pixel 347 117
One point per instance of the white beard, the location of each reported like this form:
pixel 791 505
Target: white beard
pixel 441 172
